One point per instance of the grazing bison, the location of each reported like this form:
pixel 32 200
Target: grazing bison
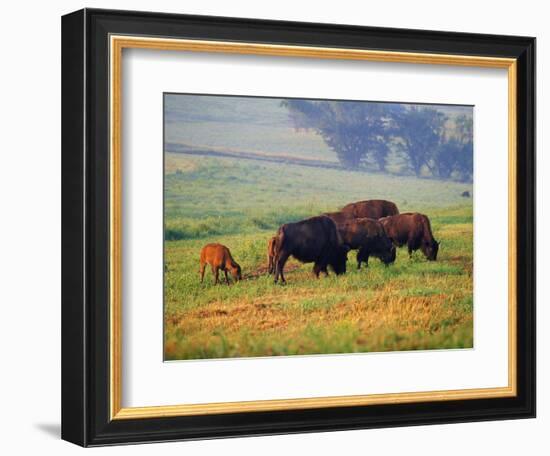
pixel 373 209
pixel 271 254
pixel 369 238
pixel 339 217
pixel 413 229
pixel 219 258
pixel 314 240
pixel 465 194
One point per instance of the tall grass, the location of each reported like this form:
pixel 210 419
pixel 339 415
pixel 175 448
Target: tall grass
pixel 213 196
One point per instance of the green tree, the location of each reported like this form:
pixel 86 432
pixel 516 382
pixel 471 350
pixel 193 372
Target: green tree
pixel 361 133
pixel 355 131
pixel 420 130
pixel 447 157
pixel 464 126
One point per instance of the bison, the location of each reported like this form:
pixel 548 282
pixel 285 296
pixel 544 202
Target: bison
pixel 219 258
pixel 314 240
pixel 339 217
pixel 413 229
pixel 369 238
pixel 373 209
pixel 271 254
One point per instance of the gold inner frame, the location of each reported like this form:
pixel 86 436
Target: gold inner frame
pixel 117 44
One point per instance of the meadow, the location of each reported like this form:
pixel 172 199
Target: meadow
pixel 413 304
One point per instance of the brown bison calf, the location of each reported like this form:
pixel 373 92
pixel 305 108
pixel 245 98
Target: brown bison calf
pixel 413 229
pixel 271 254
pixel 219 258
pixel 369 238
pixel 373 209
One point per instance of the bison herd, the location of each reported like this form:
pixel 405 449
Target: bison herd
pixel 373 228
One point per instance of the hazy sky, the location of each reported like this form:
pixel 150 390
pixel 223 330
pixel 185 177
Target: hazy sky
pixel 197 108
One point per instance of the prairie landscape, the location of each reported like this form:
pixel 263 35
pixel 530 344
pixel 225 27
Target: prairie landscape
pixel 236 183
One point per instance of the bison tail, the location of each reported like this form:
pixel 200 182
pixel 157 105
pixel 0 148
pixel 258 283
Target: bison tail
pixel 279 239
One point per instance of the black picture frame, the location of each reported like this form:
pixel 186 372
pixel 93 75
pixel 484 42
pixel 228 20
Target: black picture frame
pixel 85 228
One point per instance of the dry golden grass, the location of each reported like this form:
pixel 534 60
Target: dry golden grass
pixel 392 311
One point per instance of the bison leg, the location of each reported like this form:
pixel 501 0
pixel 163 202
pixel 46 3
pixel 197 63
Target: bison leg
pixel 362 257
pixel 317 270
pixel 397 243
pixel 320 267
pixel 280 265
pixel 226 278
pixel 216 273
pixel 413 245
pixel 410 247
pixel 203 266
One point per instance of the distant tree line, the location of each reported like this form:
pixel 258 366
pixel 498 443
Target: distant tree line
pixel 362 133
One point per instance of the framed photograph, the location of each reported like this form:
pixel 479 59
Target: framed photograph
pixel 277 227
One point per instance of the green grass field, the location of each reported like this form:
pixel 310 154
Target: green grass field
pixel 412 304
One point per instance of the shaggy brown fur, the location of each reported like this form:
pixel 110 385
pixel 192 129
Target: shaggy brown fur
pixel 374 209
pixel 413 229
pixel 219 258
